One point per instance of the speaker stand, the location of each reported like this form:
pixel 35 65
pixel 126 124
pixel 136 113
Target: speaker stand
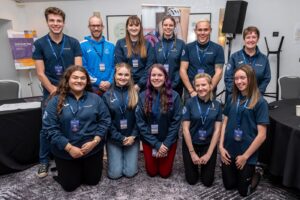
pixel 275 95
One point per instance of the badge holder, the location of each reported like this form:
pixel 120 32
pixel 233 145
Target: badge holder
pixel 74 125
pixel 200 71
pixel 202 135
pixel 58 70
pixel 154 129
pixel 166 66
pixel 123 124
pixel 135 63
pixel 238 135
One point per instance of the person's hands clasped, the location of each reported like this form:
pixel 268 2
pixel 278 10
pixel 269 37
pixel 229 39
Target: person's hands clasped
pixel 128 141
pixel 162 151
pixel 240 161
pixel 75 152
pixel 88 147
pixel 204 159
pixel 195 158
pixel 104 85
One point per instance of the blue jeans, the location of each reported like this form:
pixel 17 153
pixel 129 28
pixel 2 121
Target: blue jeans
pixel 122 160
pixel 44 142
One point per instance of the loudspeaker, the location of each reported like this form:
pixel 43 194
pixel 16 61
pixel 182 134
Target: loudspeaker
pixel 234 17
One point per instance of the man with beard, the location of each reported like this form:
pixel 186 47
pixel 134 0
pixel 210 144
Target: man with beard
pixel 98 56
pixel 53 53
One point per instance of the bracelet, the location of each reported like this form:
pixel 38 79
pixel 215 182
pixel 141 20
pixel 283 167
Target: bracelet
pixel 191 151
pixel 96 141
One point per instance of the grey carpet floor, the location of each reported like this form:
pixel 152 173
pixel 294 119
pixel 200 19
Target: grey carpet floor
pixel 26 185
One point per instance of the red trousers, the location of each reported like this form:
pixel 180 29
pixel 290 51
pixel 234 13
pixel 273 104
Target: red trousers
pixel 162 166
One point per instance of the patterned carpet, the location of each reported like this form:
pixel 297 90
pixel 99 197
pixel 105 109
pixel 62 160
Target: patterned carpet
pixel 25 185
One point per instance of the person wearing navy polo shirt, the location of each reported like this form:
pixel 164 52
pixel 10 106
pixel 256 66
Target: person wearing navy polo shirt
pixel 158 118
pixel 168 52
pixel 76 122
pixel 123 136
pixel 136 51
pixel 98 56
pixel 53 53
pixel 201 56
pixel 243 131
pixel 251 55
pixel 202 118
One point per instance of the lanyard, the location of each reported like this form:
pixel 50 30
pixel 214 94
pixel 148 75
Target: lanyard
pixel 155 107
pixel 202 55
pixel 203 115
pixel 247 61
pixel 61 50
pixel 122 105
pixel 100 54
pixel 166 52
pixel 239 113
pixel 72 109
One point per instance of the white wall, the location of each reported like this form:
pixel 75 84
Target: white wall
pixel 268 15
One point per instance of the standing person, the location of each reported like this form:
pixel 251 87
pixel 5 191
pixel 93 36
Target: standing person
pixel 201 56
pixel 98 56
pixel 53 53
pixel 76 121
pixel 123 141
pixel 243 131
pixel 158 119
pixel 136 51
pixel 251 55
pixel 202 118
pixel 168 52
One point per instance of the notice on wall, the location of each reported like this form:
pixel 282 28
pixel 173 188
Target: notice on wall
pixel 21 43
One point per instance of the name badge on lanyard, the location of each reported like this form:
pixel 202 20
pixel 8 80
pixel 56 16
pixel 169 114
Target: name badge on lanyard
pixel 58 70
pixel 135 63
pixel 102 67
pixel 200 71
pixel 74 124
pixel 238 134
pixel 123 124
pixel 166 66
pixel 154 129
pixel 202 134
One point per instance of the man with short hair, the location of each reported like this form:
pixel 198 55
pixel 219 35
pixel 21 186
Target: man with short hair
pixel 98 56
pixel 201 56
pixel 53 53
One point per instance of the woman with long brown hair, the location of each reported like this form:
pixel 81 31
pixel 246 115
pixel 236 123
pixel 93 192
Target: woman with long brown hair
pixel 243 131
pixel 76 121
pixel 136 51
pixel 158 118
pixel 123 138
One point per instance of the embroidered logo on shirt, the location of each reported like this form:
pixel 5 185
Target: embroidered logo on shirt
pixel 106 51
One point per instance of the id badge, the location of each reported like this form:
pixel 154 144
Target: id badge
pixel 135 63
pixel 102 67
pixel 200 71
pixel 58 70
pixel 166 66
pixel 154 128
pixel 154 152
pixel 238 135
pixel 123 124
pixel 202 135
pixel 74 125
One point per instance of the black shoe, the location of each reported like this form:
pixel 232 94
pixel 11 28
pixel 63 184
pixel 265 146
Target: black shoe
pixel 43 170
pixel 259 172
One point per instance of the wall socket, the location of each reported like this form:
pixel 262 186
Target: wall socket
pixel 275 34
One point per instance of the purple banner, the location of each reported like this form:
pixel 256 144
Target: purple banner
pixel 21 47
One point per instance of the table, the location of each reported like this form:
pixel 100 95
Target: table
pixel 19 137
pixel 284 141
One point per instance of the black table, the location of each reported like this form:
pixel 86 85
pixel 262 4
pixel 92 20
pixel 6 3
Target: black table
pixel 19 137
pixel 284 142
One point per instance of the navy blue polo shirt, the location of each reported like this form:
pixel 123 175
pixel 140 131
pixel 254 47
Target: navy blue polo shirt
pixel 204 59
pixel 249 119
pixel 168 51
pixel 140 73
pixel 259 63
pixel 116 100
pixel 43 51
pixel 192 114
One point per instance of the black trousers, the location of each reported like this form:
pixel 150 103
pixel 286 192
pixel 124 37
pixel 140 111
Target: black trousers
pixel 192 171
pixel 235 178
pixel 73 173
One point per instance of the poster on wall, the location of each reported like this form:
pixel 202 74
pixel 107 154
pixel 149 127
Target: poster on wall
pixel 152 16
pixel 21 43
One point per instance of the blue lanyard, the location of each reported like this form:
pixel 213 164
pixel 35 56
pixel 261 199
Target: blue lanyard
pixel 61 50
pixel 166 52
pixel 155 107
pixel 100 54
pixel 239 114
pixel 72 109
pixel 122 105
pixel 248 61
pixel 202 55
pixel 203 115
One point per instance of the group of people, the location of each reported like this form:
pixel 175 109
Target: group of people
pixel 98 94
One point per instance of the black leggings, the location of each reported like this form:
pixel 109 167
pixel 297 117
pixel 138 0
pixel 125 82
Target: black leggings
pixel 73 173
pixel 192 171
pixel 235 178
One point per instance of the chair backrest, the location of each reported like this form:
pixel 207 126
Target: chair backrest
pixel 289 87
pixel 10 89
